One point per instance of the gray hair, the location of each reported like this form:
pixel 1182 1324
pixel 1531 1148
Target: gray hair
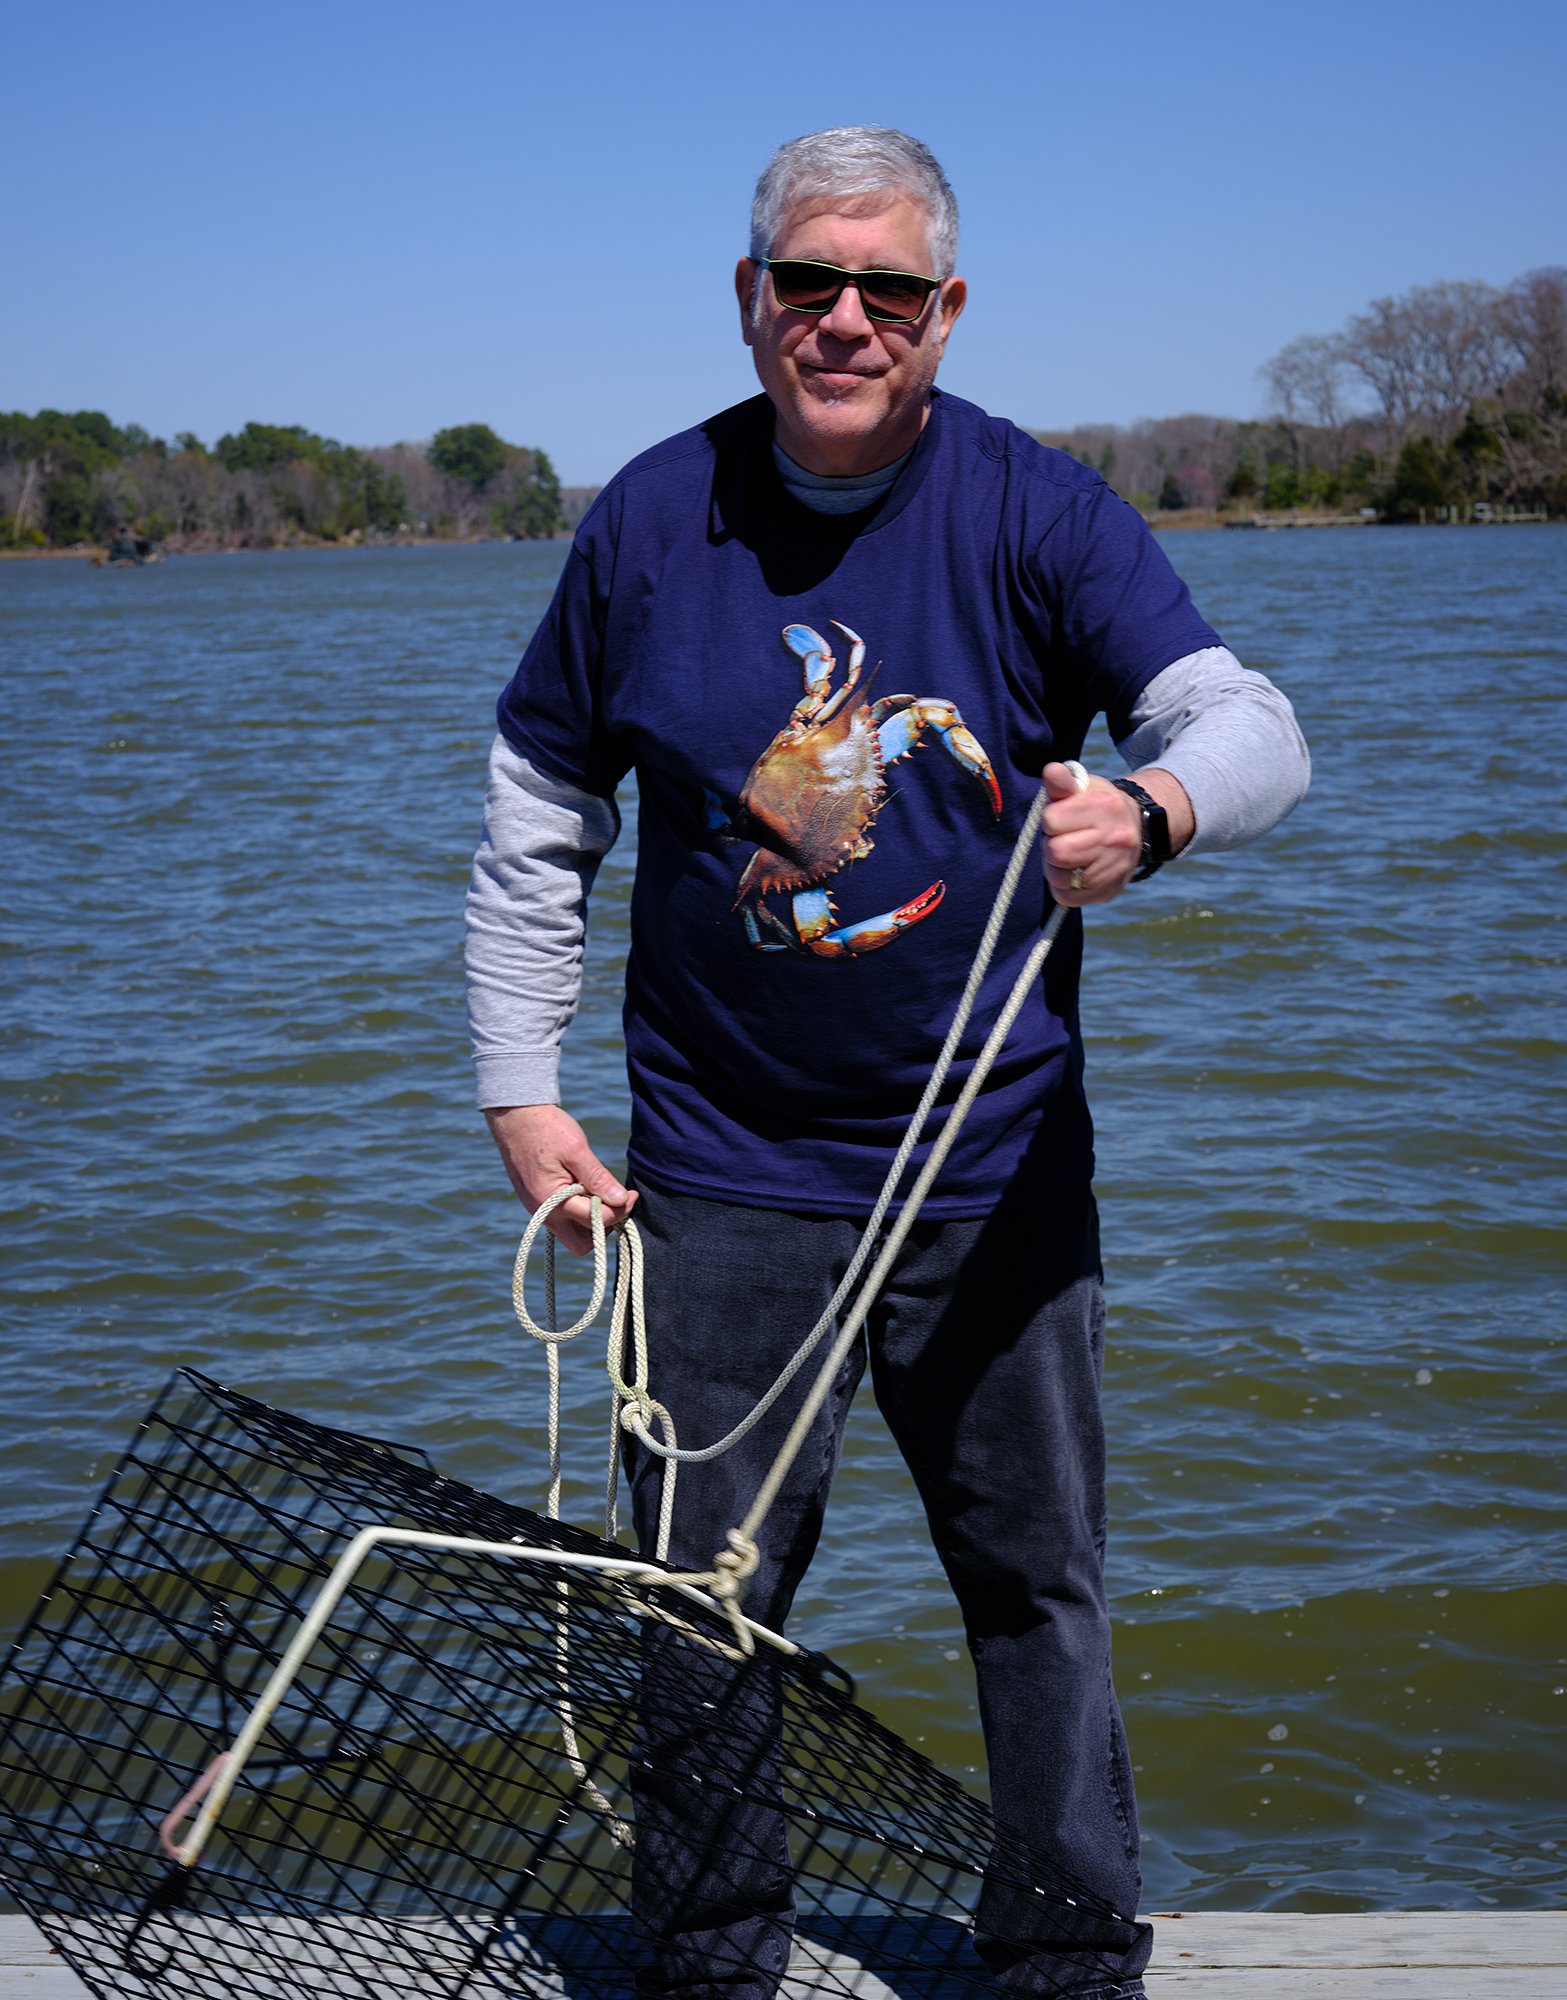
pixel 853 161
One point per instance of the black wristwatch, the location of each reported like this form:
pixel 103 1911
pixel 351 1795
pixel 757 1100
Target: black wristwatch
pixel 1156 828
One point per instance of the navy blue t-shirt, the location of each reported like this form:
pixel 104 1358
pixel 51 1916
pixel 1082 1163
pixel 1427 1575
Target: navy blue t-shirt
pixel 781 1017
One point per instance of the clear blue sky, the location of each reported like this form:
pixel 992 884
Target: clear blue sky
pixel 379 219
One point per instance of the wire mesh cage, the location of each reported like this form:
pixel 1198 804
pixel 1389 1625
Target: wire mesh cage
pixel 538 1770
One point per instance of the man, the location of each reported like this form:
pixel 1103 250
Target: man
pixel 776 619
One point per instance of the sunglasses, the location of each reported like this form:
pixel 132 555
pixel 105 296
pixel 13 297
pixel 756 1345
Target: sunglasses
pixel 898 296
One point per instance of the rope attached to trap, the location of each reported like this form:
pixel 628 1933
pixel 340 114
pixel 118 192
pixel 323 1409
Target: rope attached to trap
pixel 642 1584
pixel 636 1410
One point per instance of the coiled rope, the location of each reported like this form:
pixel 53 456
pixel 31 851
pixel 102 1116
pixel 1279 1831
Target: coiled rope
pixel 634 1407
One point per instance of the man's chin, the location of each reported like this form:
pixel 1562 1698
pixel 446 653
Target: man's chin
pixel 841 431
pixel 840 412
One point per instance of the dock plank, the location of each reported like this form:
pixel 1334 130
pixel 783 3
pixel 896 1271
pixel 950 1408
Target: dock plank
pixel 1230 1955
pixel 1284 1938
pixel 1454 1982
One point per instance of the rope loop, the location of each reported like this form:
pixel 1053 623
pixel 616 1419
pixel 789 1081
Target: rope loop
pixel 558 1335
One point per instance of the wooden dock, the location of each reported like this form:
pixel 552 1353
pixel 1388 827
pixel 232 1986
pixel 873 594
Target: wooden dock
pixel 1399 1955
pixel 1395 1955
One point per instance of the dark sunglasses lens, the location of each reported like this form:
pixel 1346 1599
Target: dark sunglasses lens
pixel 806 287
pixel 891 295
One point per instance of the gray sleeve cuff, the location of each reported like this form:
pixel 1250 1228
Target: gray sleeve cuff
pixel 526 923
pixel 1232 740
pixel 517 1076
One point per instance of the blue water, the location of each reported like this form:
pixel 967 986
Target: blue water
pixel 239 796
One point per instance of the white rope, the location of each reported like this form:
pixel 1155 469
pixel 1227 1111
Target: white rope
pixel 619 1831
pixel 911 1138
pixel 554 1338
pixel 635 1407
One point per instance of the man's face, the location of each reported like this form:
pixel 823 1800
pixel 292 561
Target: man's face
pixel 851 393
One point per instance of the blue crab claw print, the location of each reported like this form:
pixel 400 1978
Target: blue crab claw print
pixel 813 796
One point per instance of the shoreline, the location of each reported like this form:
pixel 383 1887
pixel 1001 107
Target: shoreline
pixel 1172 523
pixel 98 552
pixel 1211 517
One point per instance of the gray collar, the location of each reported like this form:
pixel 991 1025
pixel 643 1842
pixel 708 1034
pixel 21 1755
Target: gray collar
pixel 826 494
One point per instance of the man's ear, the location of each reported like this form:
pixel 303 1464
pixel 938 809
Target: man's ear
pixel 954 296
pixel 745 288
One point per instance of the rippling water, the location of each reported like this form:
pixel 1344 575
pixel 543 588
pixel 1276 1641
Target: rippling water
pixel 239 796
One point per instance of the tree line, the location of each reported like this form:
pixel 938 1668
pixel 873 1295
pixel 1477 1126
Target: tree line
pixel 1450 397
pixel 71 479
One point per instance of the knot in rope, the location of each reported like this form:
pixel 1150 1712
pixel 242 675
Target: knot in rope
pixel 732 1570
pixel 734 1567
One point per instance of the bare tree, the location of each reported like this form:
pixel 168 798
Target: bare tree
pixel 253 518
pixel 1430 356
pixel 190 490
pixel 1379 346
pixel 1528 424
pixel 1306 380
pixel 1459 350
pixel 19 494
pixel 426 489
pixel 1533 317
pixel 114 499
pixel 1286 379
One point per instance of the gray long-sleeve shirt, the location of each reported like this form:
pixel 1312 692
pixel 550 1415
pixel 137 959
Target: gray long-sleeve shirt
pixel 1225 732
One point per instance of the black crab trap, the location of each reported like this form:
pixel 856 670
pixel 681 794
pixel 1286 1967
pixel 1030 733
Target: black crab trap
pixel 299 1716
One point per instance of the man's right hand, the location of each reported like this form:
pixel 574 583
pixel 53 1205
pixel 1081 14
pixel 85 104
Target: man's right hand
pixel 545 1149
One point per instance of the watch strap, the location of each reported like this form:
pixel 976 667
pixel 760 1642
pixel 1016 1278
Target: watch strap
pixel 1156 828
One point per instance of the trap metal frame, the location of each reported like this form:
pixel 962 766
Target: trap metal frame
pixel 506 1758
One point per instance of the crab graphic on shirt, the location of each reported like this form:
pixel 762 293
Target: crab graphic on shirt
pixel 813 796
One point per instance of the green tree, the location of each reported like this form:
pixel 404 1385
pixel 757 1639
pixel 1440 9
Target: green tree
pixel 1478 455
pixel 1321 487
pixel 533 510
pixel 138 439
pixel 260 447
pixel 1423 478
pixel 1242 482
pixel 66 451
pixel 79 443
pixel 1361 473
pixel 77 477
pixel 469 453
pixel 1282 486
pixel 67 509
pixel 385 497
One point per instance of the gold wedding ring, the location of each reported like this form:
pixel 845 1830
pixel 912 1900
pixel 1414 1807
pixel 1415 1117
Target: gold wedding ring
pixel 1077 878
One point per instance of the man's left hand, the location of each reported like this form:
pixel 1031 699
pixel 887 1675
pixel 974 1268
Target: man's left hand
pixel 1093 839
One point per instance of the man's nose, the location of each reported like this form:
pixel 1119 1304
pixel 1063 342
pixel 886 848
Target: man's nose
pixel 847 320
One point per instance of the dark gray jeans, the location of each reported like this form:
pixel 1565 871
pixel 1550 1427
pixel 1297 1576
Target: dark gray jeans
pixel 985 1351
